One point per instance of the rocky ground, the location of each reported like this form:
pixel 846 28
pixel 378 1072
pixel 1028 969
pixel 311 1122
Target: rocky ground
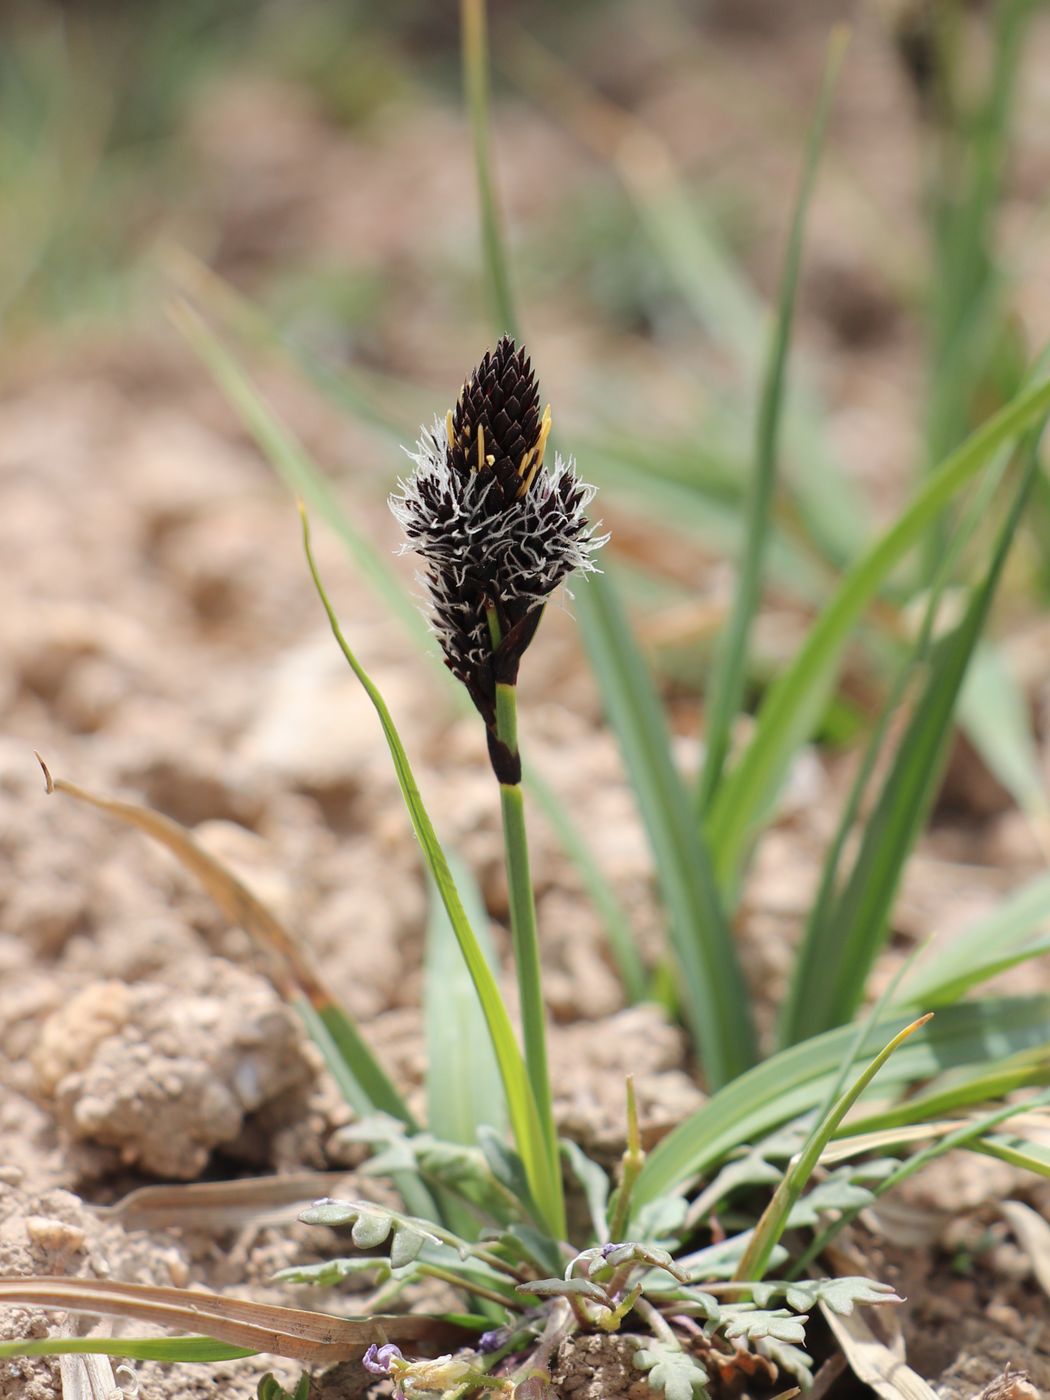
pixel 161 641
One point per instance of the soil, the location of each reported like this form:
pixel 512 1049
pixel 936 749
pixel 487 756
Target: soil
pixel 162 642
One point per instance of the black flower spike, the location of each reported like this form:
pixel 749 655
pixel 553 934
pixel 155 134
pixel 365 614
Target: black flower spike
pixel 497 529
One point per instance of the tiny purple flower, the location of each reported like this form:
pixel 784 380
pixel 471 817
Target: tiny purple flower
pixel 492 1341
pixel 379 1359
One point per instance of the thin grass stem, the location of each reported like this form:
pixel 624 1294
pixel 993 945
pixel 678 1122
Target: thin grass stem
pixel 755 1259
pixel 523 926
pixel 963 1136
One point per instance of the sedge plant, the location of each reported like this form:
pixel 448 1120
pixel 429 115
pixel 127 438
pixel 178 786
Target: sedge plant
pixel 706 1252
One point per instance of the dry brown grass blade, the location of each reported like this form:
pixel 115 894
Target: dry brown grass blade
pixel 1033 1235
pixel 293 1333
pixel 235 900
pixel 872 1362
pixel 88 1378
pixel 224 1205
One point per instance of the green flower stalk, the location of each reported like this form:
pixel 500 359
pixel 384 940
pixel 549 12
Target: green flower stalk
pixel 498 531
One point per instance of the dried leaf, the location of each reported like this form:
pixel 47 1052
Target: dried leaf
pixel 294 1333
pixel 1033 1235
pixel 872 1362
pixel 224 1205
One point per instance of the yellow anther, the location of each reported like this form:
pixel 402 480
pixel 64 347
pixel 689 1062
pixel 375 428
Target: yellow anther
pixel 448 428
pixel 545 432
pixel 481 446
pixel 532 461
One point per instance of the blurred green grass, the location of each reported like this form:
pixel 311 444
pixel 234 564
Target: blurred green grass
pixel 654 260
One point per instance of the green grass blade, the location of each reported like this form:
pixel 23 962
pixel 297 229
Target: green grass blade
pixel 476 82
pixel 755 1259
pixel 796 1080
pixel 702 516
pixel 713 995
pixel 957 1092
pixel 1016 1152
pixel 833 967
pixel 967 301
pixel 728 678
pixel 296 469
pixel 709 280
pixel 521 1106
pixel 1017 929
pixel 132 1348
pixel 524 928
pixel 794 704
pixel 361 1079
pixel 966 1135
pixel 462 1077
pixel 993 711
pixel 819 923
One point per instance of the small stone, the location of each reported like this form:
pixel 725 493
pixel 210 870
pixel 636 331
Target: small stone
pixel 57 1236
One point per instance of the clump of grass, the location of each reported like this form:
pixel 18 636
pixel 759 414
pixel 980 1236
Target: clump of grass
pixel 498 529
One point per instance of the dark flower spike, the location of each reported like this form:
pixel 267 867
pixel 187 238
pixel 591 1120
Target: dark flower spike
pixel 498 530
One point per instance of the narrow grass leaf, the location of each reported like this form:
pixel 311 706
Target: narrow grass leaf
pixel 795 702
pixel 702 516
pixel 727 681
pixel 961 1091
pixel 994 713
pixel 296 469
pixel 462 1078
pixel 1017 1152
pixel 830 980
pixel 713 994
pixel 475 62
pixel 223 1205
pixel 819 927
pixel 796 1080
pixel 521 1105
pixel 963 1135
pixel 708 278
pixel 361 1077
pixel 1017 929
pixel 755 1260
pixel 175 1349
pixel 294 1333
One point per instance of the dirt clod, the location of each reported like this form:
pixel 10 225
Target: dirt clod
pixel 164 1077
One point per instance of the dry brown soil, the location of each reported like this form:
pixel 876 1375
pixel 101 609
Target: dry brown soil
pixel 160 641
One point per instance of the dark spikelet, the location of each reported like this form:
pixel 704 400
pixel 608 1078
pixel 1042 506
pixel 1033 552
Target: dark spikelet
pixel 497 530
pixel 503 399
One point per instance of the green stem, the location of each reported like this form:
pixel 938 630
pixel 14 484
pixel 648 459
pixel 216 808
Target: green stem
pixel 632 1163
pixel 462 1281
pixel 523 922
pixel 755 1259
pixel 658 1324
